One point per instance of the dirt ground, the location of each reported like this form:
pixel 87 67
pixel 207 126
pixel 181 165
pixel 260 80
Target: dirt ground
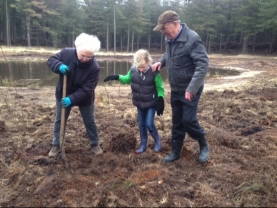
pixel 238 113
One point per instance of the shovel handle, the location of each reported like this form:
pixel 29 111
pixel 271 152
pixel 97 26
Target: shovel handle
pixel 62 130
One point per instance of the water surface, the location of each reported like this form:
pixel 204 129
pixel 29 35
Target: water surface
pixel 22 73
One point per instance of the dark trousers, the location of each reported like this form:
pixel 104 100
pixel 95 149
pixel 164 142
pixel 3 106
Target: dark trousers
pixel 184 116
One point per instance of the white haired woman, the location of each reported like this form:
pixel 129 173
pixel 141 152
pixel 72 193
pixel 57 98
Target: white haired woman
pixel 82 72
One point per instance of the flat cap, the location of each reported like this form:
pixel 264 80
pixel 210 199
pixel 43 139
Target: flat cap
pixel 167 16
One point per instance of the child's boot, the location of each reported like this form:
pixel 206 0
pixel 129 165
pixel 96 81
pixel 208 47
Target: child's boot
pixel 143 142
pixel 157 140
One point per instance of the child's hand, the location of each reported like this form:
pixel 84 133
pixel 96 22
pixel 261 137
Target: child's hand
pixel 160 106
pixel 111 77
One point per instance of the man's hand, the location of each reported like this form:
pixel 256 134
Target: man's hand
pixel 66 102
pixel 188 96
pixel 64 69
pixel 156 66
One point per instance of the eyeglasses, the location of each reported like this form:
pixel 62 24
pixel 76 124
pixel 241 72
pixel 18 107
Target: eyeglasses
pixel 164 29
pixel 85 57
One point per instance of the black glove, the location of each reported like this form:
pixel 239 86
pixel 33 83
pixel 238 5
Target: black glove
pixel 111 77
pixel 160 106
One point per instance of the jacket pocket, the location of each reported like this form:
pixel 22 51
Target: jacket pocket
pixel 182 77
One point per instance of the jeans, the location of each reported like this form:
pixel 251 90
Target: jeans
pixel 146 120
pixel 87 113
pixel 184 116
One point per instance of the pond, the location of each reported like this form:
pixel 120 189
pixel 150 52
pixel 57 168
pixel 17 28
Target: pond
pixel 35 74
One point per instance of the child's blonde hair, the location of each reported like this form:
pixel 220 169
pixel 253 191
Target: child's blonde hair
pixel 142 56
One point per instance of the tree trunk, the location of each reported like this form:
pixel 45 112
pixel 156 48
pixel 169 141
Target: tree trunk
pixel 210 43
pixel 8 37
pixel 207 41
pixel 254 45
pixel 128 38
pixel 55 41
pixel 270 48
pixel 138 42
pixel 270 40
pixel 28 25
pixel 73 38
pixel 133 36
pixel 245 40
pixel 149 35
pixel 121 43
pixel 220 44
pixel 114 23
pixel 107 36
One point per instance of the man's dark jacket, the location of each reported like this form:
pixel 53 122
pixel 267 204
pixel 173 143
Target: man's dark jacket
pixel 81 80
pixel 186 61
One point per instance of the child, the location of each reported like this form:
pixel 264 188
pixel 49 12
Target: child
pixel 147 95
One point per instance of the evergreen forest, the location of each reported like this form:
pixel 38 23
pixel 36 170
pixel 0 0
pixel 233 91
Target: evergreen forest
pixel 225 26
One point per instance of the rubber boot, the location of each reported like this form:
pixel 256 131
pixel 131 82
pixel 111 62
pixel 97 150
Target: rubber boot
pixel 157 140
pixel 176 151
pixel 143 142
pixel 204 150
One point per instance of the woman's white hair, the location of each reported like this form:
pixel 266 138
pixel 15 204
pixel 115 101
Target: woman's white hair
pixel 142 56
pixel 87 42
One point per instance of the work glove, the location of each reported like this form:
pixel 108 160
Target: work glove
pixel 66 102
pixel 64 69
pixel 160 106
pixel 111 77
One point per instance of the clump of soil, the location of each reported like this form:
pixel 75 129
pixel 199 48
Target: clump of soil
pixel 239 115
pixel 123 142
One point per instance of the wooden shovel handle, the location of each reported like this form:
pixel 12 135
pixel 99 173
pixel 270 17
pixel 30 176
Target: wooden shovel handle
pixel 62 130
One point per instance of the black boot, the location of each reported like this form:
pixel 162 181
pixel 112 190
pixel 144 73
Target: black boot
pixel 204 150
pixel 176 151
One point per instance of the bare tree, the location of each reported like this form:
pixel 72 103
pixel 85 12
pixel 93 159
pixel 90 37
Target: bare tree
pixel 114 22
pixel 8 37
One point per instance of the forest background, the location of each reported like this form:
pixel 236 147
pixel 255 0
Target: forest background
pixel 225 26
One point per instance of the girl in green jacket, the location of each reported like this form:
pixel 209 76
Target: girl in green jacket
pixel 147 95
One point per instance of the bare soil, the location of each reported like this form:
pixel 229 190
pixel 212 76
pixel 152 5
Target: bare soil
pixel 238 113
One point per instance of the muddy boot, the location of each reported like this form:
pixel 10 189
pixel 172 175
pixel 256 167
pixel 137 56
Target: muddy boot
pixel 54 152
pixel 143 142
pixel 96 149
pixel 157 140
pixel 176 151
pixel 204 150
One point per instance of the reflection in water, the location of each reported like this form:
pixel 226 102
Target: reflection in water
pixel 38 74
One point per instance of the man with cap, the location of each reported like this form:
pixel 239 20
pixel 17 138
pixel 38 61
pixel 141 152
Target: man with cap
pixel 187 63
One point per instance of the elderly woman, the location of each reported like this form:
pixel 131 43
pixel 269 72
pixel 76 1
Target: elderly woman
pixel 82 72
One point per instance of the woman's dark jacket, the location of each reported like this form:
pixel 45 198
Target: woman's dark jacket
pixel 81 80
